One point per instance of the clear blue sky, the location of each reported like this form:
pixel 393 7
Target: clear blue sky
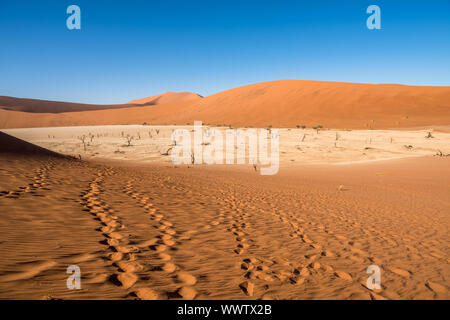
pixel 132 49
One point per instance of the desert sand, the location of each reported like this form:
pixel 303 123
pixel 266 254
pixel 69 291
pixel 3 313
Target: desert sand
pixel 152 144
pixel 285 103
pixel 363 180
pixel 140 228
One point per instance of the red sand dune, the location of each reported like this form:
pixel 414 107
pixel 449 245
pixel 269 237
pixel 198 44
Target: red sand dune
pixel 284 103
pixel 46 106
pixel 12 145
pixel 167 97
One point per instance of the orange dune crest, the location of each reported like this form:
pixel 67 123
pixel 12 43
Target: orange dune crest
pixel 167 97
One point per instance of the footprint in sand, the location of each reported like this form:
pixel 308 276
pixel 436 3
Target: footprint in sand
pixel 146 294
pixel 129 266
pixel 400 272
pixel 126 279
pixel 247 287
pixel 437 288
pixel 343 275
pixel 187 293
pixel 186 278
pixel 304 272
pixel 164 256
pixel 115 256
pixel 169 267
pixel 158 248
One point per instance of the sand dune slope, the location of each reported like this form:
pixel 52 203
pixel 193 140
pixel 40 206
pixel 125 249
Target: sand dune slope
pixel 46 106
pixel 332 104
pixel 168 97
pixel 199 233
pixel 285 103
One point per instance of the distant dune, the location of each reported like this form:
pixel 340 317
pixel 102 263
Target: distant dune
pixel 284 103
pixel 46 106
pixel 12 145
pixel 168 97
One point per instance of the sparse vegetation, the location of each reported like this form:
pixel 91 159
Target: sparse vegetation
pixel 440 154
pixel 129 139
pixel 167 152
pixel 317 128
pixel 83 140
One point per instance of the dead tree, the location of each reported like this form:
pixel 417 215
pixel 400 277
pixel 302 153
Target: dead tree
pixel 83 140
pixel 129 139
pixel 167 152
pixel 440 154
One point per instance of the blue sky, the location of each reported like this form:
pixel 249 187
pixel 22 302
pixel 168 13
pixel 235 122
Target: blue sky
pixel 132 49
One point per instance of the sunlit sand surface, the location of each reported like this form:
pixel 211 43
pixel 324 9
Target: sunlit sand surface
pixel 297 146
pixel 144 229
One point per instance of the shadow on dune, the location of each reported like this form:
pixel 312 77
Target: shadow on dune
pixel 12 145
